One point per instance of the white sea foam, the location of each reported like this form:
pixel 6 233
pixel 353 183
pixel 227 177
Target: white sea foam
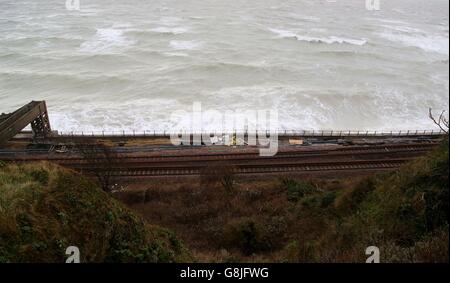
pixel 398 31
pixel 105 39
pixel 100 116
pixel 430 43
pixel 283 33
pixel 332 39
pixel 327 40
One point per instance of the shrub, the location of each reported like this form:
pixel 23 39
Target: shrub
pixel 328 199
pixel 352 197
pixel 432 248
pixel 40 175
pixel 245 235
pixel 297 190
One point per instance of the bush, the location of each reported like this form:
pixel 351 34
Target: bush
pixel 297 190
pixel 352 197
pixel 245 235
pixel 432 248
pixel 40 175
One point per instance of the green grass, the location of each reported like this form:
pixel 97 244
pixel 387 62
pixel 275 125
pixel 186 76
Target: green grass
pixel 45 208
pixel 401 210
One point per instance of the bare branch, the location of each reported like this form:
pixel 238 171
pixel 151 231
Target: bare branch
pixel 103 161
pixel 441 122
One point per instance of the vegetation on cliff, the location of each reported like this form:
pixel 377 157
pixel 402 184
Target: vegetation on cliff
pixel 45 208
pixel 292 219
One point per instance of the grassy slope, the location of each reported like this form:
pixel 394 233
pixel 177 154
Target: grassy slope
pixel 404 213
pixel 45 208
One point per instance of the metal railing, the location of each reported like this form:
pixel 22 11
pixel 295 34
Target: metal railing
pixel 300 133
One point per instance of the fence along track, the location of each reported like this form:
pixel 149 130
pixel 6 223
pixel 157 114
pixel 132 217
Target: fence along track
pixel 375 149
pixel 282 133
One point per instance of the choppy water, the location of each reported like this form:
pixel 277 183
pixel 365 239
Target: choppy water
pixel 128 64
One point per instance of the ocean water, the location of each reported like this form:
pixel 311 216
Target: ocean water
pixel 127 65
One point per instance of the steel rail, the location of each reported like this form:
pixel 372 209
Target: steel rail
pixel 259 168
pixel 379 149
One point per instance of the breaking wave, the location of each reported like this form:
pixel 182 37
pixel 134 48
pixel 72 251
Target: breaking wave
pixel 312 39
pixel 430 43
pixel 105 39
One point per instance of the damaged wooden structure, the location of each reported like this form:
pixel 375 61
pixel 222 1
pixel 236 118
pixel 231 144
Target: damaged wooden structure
pixel 34 114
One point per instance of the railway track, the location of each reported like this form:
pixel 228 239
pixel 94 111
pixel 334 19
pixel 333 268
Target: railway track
pixel 338 152
pixel 259 168
pixel 348 158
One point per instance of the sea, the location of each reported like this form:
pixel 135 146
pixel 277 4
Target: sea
pixel 110 65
